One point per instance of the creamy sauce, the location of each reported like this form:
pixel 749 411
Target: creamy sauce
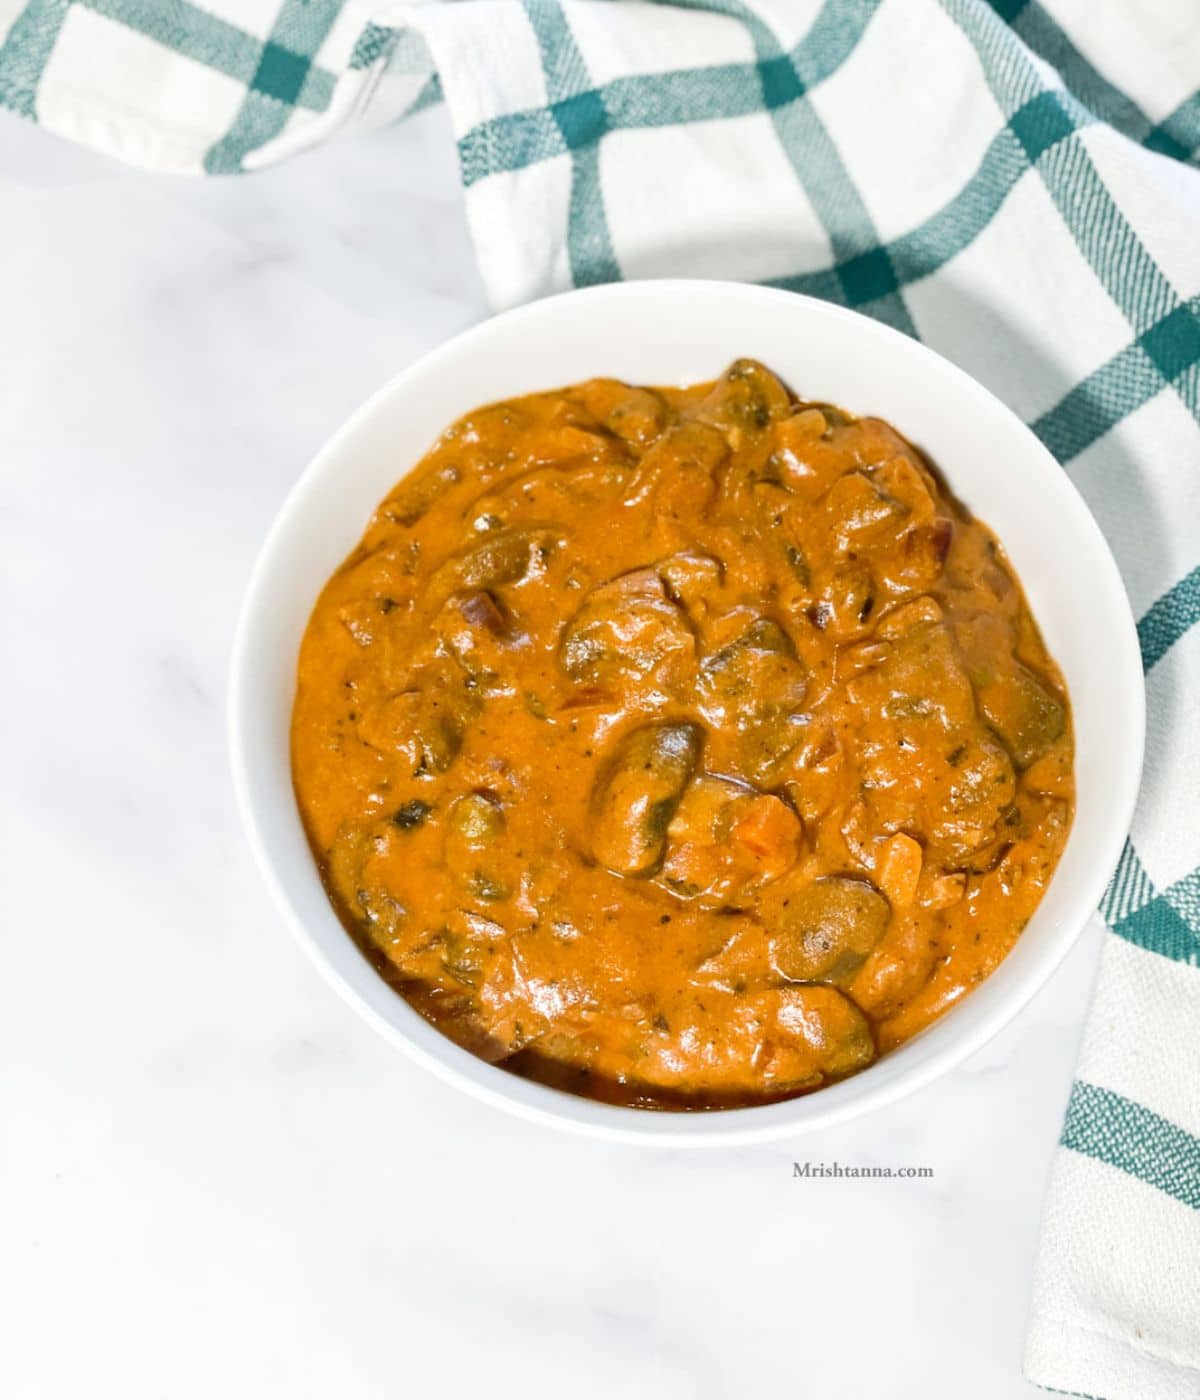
pixel 680 747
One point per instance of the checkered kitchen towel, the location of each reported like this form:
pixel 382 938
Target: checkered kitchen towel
pixel 1016 183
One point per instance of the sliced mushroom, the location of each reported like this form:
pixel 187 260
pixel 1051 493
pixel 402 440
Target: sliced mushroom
pixel 856 510
pixel 573 434
pixel 745 401
pixel 551 497
pixel 474 825
pixel 899 621
pixel 636 415
pixel 845 603
pixel 829 928
pixel 906 481
pixel 923 677
pixel 456 1013
pixel 426 721
pixel 626 627
pixel 638 792
pixel 803 458
pixel 417 493
pixel 828 1027
pixel 692 576
pixel 679 468
pixel 755 685
pixel 966 798
pixel 357 870
pixel 921 555
pixel 499 557
pixel 759 666
pixel 1024 712
pixel 344 863
pixel 726 839
pixel 743 1040
pixel 479 630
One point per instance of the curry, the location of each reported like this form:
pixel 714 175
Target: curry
pixel 684 748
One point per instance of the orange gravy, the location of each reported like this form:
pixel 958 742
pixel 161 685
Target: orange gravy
pixel 683 748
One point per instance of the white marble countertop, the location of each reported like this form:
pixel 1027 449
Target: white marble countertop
pixel 217 1181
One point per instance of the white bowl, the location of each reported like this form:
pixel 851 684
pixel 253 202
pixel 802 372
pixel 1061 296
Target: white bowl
pixel 679 332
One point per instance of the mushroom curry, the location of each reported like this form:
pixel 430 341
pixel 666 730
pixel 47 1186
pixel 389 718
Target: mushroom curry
pixel 683 748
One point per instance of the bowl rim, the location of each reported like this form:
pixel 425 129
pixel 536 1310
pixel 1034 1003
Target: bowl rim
pixel 540 1103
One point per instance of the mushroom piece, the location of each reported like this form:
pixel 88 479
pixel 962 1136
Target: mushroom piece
pixel 969 793
pixel 473 826
pixel 426 720
pixel 760 667
pixel 626 627
pixel 755 685
pixel 845 603
pixel 774 1040
pixel 924 677
pixel 745 401
pixel 679 468
pixel 637 794
pixel 1023 711
pixel 856 512
pixel 501 556
pixel 826 1025
pixel 481 632
pixel 725 839
pixel 693 577
pixel 635 414
pixel 414 496
pixel 829 929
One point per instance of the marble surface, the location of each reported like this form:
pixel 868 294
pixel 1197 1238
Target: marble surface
pixel 215 1179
